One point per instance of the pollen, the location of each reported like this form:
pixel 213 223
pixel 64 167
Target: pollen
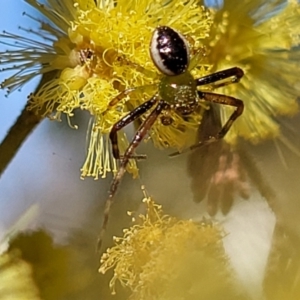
pixel 157 252
pixel 262 38
pixel 100 49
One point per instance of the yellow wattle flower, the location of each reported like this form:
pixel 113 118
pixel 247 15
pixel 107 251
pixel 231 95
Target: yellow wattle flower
pixel 262 38
pixel 100 49
pixel 161 257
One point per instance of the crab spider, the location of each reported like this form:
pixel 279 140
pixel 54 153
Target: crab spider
pixel 177 91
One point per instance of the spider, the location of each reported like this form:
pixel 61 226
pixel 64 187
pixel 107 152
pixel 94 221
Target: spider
pixel 177 91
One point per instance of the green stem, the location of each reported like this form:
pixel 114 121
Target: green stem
pixel 16 135
pixel 21 129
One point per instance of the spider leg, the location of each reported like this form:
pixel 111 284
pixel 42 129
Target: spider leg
pixel 130 117
pixel 220 99
pixel 233 75
pixel 140 134
pixel 224 100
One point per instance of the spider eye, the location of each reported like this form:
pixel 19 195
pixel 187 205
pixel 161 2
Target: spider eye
pixel 169 51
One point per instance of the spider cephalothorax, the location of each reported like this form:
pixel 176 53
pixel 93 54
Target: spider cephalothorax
pixel 177 91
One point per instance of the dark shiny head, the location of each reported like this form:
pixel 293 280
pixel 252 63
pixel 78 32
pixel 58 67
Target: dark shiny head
pixel 169 51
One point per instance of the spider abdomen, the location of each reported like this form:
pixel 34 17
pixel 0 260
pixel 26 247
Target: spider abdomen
pixel 169 51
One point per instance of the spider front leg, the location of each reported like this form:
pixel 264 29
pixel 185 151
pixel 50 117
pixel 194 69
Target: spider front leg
pixel 220 99
pixel 129 118
pixel 234 73
pixel 225 100
pixel 138 137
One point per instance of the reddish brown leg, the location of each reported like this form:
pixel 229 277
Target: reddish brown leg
pixel 138 137
pixel 130 117
pixel 220 99
pixel 233 75
pixel 225 100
